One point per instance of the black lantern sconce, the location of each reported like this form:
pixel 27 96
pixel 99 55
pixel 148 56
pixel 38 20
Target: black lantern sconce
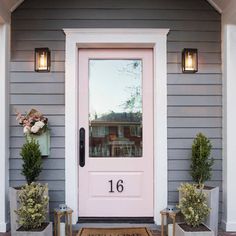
pixel 42 60
pixel 189 60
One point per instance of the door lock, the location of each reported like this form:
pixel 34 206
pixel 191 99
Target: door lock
pixel 82 147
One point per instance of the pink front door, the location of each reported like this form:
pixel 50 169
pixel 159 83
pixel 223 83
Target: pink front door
pixel 116 133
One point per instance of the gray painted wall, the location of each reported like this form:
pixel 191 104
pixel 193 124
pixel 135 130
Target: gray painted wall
pixel 194 101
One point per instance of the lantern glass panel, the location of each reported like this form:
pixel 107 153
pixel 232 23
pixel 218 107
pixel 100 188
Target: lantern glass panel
pixel 42 59
pixel 190 61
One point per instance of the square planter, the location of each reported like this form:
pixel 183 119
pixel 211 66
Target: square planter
pixel 14 205
pixel 212 198
pixel 180 232
pixel 46 232
pixel 44 142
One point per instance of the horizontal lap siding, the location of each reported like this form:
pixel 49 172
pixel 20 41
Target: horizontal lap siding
pixel 194 100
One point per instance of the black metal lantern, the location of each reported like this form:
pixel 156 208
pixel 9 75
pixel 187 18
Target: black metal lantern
pixel 42 60
pixel 189 60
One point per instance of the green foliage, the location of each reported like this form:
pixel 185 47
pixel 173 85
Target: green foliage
pixel 33 202
pixel 193 204
pixel 32 160
pixel 201 165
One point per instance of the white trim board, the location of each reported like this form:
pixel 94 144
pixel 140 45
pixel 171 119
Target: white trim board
pixel 228 226
pixel 4 124
pixel 108 38
pixel 229 128
pixel 4 14
pixel 214 4
pixel 16 5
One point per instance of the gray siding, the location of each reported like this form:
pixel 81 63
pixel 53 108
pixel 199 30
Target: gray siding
pixel 194 101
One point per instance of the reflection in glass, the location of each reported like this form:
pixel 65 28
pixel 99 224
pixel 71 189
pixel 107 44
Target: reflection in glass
pixel 115 108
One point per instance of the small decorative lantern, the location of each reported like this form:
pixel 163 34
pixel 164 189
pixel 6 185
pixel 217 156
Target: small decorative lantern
pixel 62 207
pixel 59 228
pixel 189 60
pixel 42 60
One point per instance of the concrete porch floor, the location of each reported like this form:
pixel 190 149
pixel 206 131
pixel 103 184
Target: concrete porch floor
pixel 153 228
pixel 155 232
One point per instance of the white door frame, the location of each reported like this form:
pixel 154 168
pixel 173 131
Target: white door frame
pixel 116 38
pixel 4 124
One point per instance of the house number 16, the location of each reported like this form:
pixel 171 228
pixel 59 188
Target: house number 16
pixel 119 186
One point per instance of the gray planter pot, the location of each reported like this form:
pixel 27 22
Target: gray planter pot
pixel 180 232
pixel 212 198
pixel 14 205
pixel 46 232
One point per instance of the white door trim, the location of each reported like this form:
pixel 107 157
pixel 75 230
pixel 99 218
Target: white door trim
pixel 229 128
pixel 4 124
pixel 109 38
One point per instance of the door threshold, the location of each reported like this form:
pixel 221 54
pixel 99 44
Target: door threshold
pixel 130 220
pixel 78 226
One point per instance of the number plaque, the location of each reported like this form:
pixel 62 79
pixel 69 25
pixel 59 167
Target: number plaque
pixel 119 186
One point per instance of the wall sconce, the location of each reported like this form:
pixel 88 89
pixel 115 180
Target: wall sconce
pixel 189 60
pixel 42 60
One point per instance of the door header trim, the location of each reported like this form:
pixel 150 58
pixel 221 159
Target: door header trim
pixel 147 31
pixel 118 38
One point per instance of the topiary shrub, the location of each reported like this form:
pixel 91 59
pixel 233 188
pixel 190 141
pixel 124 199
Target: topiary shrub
pixel 33 203
pixel 32 160
pixel 201 165
pixel 193 205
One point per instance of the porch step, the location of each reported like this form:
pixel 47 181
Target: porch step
pixel 78 226
pixel 133 220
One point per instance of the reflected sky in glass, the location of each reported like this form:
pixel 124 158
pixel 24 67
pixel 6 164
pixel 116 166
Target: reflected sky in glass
pixel 114 86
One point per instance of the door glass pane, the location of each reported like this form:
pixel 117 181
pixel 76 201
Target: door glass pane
pixel 115 108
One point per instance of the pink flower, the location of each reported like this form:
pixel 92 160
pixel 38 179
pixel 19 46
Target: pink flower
pixel 18 116
pixel 26 130
pixel 40 124
pixel 35 129
pixel 32 122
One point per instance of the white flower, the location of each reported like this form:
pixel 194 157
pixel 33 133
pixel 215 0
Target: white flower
pixel 35 129
pixel 26 130
pixel 40 124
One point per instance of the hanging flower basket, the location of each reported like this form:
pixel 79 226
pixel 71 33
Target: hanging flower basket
pixel 35 125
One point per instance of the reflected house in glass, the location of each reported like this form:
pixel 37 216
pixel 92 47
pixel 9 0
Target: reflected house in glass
pixel 116 135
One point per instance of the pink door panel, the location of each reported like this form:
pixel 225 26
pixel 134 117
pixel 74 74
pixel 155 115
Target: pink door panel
pixel 116 111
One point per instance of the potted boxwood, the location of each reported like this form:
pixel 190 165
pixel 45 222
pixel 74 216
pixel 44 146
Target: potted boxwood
pixel 32 211
pixel 195 210
pixel 31 168
pixel 201 171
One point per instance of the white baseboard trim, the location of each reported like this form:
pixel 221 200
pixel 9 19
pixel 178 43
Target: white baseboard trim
pixel 228 226
pixel 4 227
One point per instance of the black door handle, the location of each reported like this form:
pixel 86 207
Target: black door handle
pixel 82 147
